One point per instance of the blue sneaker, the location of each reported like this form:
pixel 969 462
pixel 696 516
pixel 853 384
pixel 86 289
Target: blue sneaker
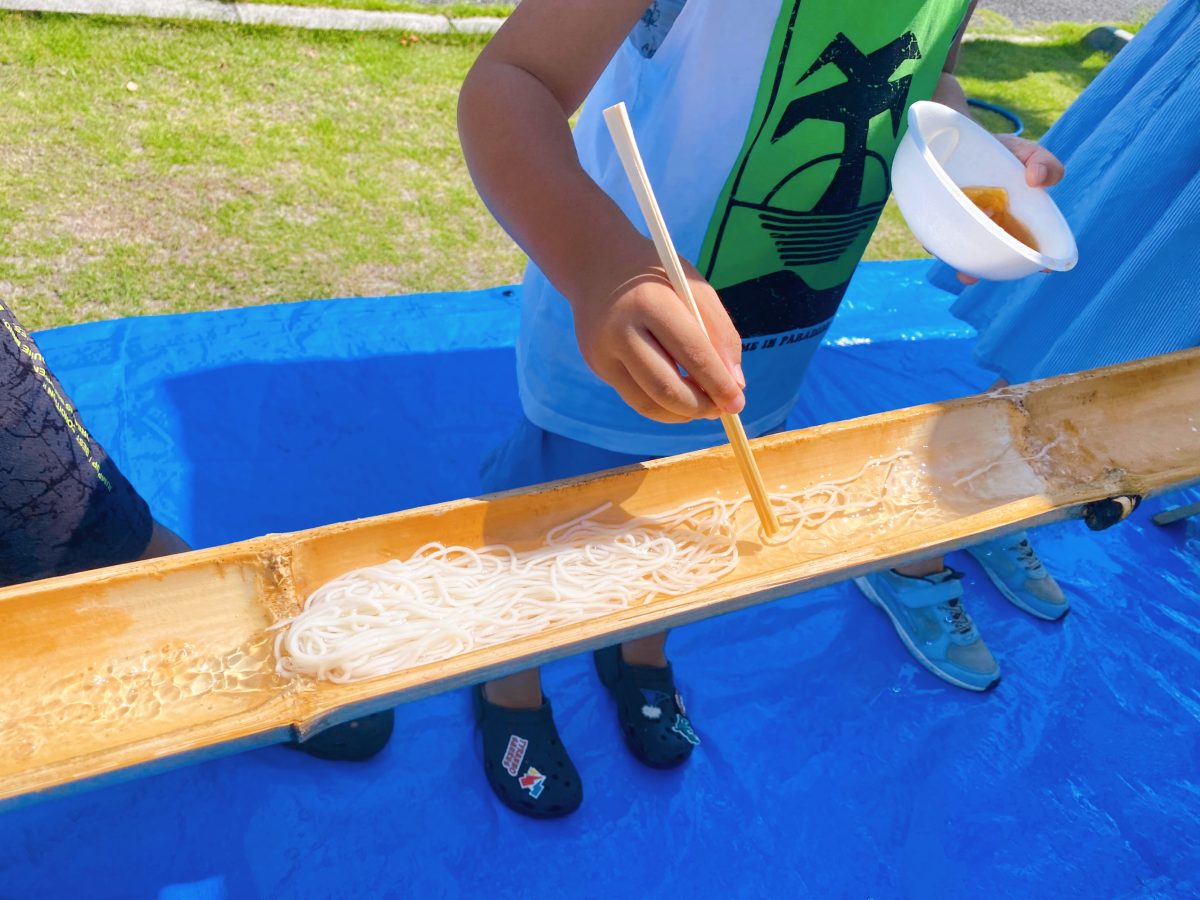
pixel 930 619
pixel 1019 575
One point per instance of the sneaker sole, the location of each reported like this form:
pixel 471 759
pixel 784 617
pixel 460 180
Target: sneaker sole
pixel 865 586
pixel 1012 597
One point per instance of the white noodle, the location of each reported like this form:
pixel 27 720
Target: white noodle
pixel 1040 455
pixel 443 601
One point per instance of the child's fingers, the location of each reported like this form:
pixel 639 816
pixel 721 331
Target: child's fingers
pixel 965 278
pixel 656 373
pixel 680 335
pixel 720 327
pixel 1042 168
pixel 631 392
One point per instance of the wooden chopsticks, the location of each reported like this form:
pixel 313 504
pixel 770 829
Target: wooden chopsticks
pixel 621 130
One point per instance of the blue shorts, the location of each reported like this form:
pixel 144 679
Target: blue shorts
pixel 64 505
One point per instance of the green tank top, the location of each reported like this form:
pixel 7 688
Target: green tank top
pixel 768 129
pixel 813 176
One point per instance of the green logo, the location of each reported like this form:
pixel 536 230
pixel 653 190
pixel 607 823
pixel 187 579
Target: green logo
pixel 814 174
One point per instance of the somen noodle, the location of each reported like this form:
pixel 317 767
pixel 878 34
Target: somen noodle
pixel 443 601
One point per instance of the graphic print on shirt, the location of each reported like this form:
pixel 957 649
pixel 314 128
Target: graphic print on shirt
pixel 656 22
pixel 814 174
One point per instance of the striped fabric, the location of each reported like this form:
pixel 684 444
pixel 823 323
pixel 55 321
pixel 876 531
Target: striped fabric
pixel 1131 144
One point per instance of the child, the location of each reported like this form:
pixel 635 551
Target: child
pixel 65 506
pixel 1134 131
pixel 768 129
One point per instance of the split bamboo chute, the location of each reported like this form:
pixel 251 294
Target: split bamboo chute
pixel 144 665
pixel 621 130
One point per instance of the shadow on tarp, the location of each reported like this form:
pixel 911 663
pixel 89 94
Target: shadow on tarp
pixel 285 446
pixel 832 764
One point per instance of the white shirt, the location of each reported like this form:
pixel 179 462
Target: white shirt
pixel 767 128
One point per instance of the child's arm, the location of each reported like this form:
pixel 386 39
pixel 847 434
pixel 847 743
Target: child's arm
pixel 1042 168
pixel 513 116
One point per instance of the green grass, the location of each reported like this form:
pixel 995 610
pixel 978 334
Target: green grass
pixel 1036 81
pixel 251 165
pixel 455 10
pixel 257 165
pixel 986 21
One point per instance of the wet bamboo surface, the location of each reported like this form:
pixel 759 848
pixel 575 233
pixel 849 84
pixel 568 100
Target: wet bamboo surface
pixel 120 671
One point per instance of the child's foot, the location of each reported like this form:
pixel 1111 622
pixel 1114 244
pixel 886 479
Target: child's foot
pixel 1019 575
pixel 524 760
pixel 649 709
pixel 353 741
pixel 930 619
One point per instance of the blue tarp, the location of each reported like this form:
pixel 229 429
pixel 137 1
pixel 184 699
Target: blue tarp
pixel 832 764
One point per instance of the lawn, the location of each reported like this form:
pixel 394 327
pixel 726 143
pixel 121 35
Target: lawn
pixel 159 167
pixel 1037 81
pixel 451 8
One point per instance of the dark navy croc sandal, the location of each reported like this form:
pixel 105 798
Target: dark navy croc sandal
pixel 524 759
pixel 649 708
pixel 354 741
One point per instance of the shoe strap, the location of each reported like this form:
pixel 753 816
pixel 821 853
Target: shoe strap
pixel 515 717
pixel 924 593
pixel 650 677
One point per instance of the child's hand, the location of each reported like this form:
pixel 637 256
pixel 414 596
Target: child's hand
pixel 1042 169
pixel 514 113
pixel 639 337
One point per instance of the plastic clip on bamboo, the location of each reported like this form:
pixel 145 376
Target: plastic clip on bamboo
pixel 621 130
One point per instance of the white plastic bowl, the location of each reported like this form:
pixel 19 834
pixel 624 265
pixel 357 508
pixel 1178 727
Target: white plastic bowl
pixel 944 150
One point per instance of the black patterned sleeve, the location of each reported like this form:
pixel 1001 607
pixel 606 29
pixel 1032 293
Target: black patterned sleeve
pixel 64 505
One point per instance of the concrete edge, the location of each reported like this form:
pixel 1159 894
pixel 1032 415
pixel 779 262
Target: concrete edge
pixel 319 17
pixel 260 14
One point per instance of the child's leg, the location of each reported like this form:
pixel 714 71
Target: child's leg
pixel 924 567
pixel 935 564
pixel 520 691
pixel 531 456
pixel 64 505
pixel 524 689
pixel 524 759
pixel 924 602
pixel 647 651
pixel 163 542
